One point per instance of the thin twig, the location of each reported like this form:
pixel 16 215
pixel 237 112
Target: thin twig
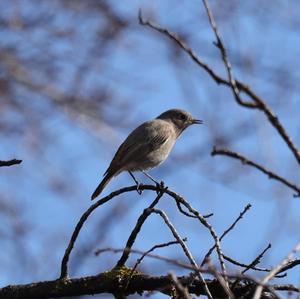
pixel 220 278
pixel 247 207
pixel 206 224
pixel 261 105
pixel 234 262
pixel 253 263
pixel 244 160
pixel 221 46
pixel 218 79
pixel 184 248
pixel 290 265
pixel 141 220
pixel 276 270
pixel 257 259
pixel 151 255
pixel 188 214
pixel 10 162
pixel 139 260
pixel 258 102
pixel 181 291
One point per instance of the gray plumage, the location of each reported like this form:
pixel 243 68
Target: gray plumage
pixel 148 145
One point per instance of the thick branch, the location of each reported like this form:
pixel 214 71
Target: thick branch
pixel 107 282
pixel 112 282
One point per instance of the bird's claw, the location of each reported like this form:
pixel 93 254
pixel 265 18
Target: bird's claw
pixel 138 188
pixel 160 187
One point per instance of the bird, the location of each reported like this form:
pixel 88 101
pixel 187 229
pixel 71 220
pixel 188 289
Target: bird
pixel 148 145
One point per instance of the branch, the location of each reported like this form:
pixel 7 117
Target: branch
pixel 184 248
pixel 256 261
pixel 107 282
pixel 258 102
pixel 162 245
pixel 276 270
pixel 141 220
pixel 113 281
pixel 220 45
pixel 206 224
pixel 10 162
pixel 244 160
pixel 239 280
pixel 247 207
pixel 87 213
pixel 181 291
pixel 148 211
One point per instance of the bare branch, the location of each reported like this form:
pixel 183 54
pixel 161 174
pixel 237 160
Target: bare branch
pixel 139 260
pixel 188 214
pixel 276 270
pixel 243 265
pixel 87 213
pixel 181 291
pixel 220 278
pixel 205 223
pixel 283 287
pixel 151 255
pixel 244 160
pixel 290 265
pixel 258 102
pixel 184 248
pixel 218 79
pixel 141 220
pixel 103 283
pixel 220 45
pixel 257 259
pixel 10 162
pixel 247 207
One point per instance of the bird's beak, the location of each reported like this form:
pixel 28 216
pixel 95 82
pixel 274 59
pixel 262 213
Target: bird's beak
pixel 197 122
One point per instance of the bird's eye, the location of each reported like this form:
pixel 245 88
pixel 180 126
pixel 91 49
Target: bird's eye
pixel 183 116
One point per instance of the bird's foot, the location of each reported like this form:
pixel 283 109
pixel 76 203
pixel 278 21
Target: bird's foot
pixel 138 184
pixel 138 188
pixel 160 187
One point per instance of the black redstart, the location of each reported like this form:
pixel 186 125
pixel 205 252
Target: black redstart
pixel 148 145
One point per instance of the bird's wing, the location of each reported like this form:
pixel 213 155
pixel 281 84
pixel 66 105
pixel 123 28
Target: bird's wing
pixel 144 139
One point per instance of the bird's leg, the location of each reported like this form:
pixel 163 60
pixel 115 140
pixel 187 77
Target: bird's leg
pixel 137 183
pixel 160 185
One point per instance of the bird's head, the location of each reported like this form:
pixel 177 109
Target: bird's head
pixel 180 118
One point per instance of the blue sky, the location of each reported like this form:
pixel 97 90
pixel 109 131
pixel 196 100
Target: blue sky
pixel 146 77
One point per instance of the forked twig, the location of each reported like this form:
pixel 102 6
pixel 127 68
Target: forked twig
pixel 141 220
pixel 256 103
pixel 184 248
pixel 87 213
pixel 139 260
pixel 247 207
pixel 276 270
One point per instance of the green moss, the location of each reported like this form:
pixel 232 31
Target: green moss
pixel 121 272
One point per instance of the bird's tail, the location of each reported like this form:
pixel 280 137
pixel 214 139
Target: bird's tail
pixel 108 176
